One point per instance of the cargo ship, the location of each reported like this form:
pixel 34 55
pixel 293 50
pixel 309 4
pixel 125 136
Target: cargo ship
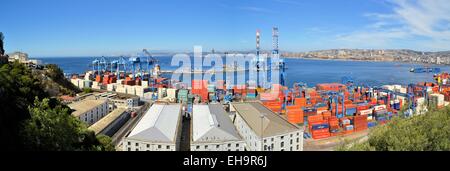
pixel 425 70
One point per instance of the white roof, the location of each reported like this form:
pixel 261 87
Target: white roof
pixel 159 124
pixel 211 123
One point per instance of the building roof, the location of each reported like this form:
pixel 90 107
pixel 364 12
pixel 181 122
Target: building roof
pixel 100 125
pixel 159 124
pixel 85 105
pixel 272 124
pixel 211 123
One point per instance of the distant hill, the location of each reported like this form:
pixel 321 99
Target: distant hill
pixel 402 55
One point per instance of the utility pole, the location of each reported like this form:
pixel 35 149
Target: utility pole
pixel 262 130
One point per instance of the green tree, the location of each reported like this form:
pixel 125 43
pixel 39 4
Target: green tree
pixel 54 129
pixel 57 75
pixel 2 50
pixel 87 90
pixel 18 88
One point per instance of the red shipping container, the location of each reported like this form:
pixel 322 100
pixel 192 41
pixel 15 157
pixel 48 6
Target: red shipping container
pixel 315 118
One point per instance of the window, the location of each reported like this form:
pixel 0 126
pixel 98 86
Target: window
pixel 237 145
pixel 148 145
pixel 168 147
pixel 129 143
pixel 217 146
pixel 129 149
pixel 282 137
pixel 291 135
pixel 137 149
pixel 237 149
pixel 291 149
pixel 229 149
pixel 271 146
pixel 298 134
pixel 265 140
pixel 271 139
pixel 137 144
pixel 229 145
pixel 159 146
pixel 297 147
pixel 206 146
pixel 265 147
pixel 282 149
pixel 282 144
pixel 198 147
pixel 298 139
pixel 291 141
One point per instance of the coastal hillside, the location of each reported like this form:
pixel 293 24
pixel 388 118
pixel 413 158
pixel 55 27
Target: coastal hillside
pixel 32 119
pixel 403 55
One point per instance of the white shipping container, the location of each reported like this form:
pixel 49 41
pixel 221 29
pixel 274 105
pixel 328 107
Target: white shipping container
pixel 397 86
pixel 130 90
pixel 144 84
pixel 87 76
pixel 120 81
pixel 366 112
pixel 403 90
pixel 388 87
pixel 161 93
pixel 437 99
pixel 380 107
pixel 95 86
pixel 172 93
pixel 111 87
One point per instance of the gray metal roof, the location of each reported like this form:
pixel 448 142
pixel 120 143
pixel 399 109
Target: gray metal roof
pixel 211 123
pixel 85 105
pixel 269 125
pixel 159 124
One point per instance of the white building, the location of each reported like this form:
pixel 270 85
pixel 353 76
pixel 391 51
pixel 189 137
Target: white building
pixel 253 121
pixel 111 123
pixel 90 110
pixel 158 130
pixel 213 130
pixel 23 58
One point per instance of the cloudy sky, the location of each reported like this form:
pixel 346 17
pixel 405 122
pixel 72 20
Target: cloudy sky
pixel 111 27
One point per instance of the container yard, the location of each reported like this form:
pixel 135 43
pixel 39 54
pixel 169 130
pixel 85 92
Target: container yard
pixel 323 111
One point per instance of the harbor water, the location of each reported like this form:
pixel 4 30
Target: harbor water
pixel 308 71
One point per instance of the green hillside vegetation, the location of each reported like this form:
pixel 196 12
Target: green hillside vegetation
pixel 428 132
pixel 30 119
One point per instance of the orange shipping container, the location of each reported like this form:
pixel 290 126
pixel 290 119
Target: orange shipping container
pixel 315 118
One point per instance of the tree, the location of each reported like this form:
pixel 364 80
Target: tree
pixel 87 90
pixel 2 50
pixel 53 128
pixel 18 88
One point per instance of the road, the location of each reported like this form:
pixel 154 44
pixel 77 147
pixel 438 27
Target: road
pixel 329 144
pixel 128 126
pixel 185 135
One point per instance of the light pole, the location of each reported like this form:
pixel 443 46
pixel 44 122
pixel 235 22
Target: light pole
pixel 262 130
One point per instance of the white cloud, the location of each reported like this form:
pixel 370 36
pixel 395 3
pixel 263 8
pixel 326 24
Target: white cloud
pixel 426 22
pixel 255 9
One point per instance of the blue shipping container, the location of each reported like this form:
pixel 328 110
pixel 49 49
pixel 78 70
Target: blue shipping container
pixel 371 124
pixel 350 111
pixel 320 126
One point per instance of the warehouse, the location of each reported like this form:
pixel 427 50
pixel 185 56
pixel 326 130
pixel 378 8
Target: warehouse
pixel 112 122
pixel 158 130
pixel 253 121
pixel 213 130
pixel 90 110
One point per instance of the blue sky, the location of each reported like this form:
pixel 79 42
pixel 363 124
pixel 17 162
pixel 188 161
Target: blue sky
pixel 113 27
